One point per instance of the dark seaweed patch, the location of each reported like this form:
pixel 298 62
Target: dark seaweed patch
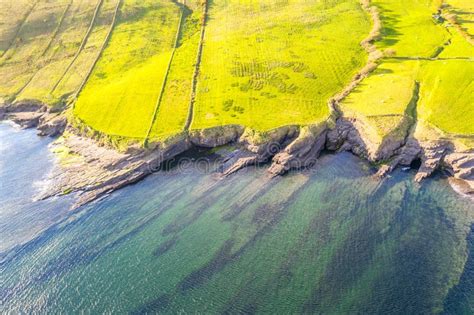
pixel 153 306
pixel 165 247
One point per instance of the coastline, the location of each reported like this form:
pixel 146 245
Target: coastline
pixel 93 170
pixel 96 164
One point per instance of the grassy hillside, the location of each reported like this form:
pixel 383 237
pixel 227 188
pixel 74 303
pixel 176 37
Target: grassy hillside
pixel 446 95
pixel 408 27
pixel 150 69
pixel 121 94
pixel 12 18
pixel 49 52
pixel 173 109
pixel 29 43
pixel 463 11
pixel 420 48
pixel 267 65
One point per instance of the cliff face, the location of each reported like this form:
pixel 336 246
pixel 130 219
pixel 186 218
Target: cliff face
pixel 31 114
pixel 94 170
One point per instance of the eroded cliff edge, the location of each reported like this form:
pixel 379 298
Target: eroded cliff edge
pixel 92 169
pixel 90 165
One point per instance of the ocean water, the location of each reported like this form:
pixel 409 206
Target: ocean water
pixel 329 240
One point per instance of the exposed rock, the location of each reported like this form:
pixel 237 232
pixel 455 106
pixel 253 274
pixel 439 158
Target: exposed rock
pixel 3 112
pixel 409 152
pixel 25 119
pixel 26 106
pixel 431 157
pixel 51 125
pixel 259 147
pixel 94 170
pixel 302 152
pixel 461 166
pixel 217 136
pixel 347 137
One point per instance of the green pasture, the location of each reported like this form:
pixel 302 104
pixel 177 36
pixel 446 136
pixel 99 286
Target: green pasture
pixel 409 28
pixel 270 64
pixel 383 98
pixel 65 44
pixel 131 63
pixel 446 91
pixel 457 47
pixel 464 12
pixel 73 78
pixel 53 47
pixel 30 42
pixel 122 92
pixel 174 106
pixel 433 53
pixel 12 17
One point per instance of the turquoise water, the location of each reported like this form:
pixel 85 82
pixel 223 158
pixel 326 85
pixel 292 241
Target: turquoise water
pixel 330 240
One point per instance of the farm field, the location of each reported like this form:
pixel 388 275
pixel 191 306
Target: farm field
pixel 274 64
pixel 382 100
pixel 29 42
pixel 172 112
pixel 149 70
pixel 408 27
pixel 54 49
pixel 121 95
pixel 447 103
pixel 12 17
pixel 441 64
pixel 464 12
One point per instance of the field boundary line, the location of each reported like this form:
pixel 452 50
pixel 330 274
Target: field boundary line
pixel 56 32
pixel 453 19
pixel 81 47
pixel 165 78
pixel 20 27
pixel 104 44
pixel 374 55
pixel 197 67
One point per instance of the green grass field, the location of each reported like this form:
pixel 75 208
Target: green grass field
pixel 174 106
pixel 435 54
pixel 382 99
pixel 409 28
pixel 132 69
pixel 28 44
pixel 49 54
pixel 268 65
pixel 464 13
pixel 120 96
pixel 446 95
pixel 12 17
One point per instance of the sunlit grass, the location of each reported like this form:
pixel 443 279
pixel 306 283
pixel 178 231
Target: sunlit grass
pixel 409 28
pixel 49 83
pixel 22 57
pixel 386 91
pixel 174 107
pixel 464 12
pixel 271 64
pixel 446 95
pixel 120 97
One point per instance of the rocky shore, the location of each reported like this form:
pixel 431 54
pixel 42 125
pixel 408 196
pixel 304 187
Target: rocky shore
pixel 93 170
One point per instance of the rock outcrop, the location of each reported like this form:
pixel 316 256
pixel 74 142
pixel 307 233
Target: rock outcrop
pixel 258 147
pixel 302 152
pixel 92 170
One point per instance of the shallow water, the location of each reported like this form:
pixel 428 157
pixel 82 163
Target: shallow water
pixel 328 240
